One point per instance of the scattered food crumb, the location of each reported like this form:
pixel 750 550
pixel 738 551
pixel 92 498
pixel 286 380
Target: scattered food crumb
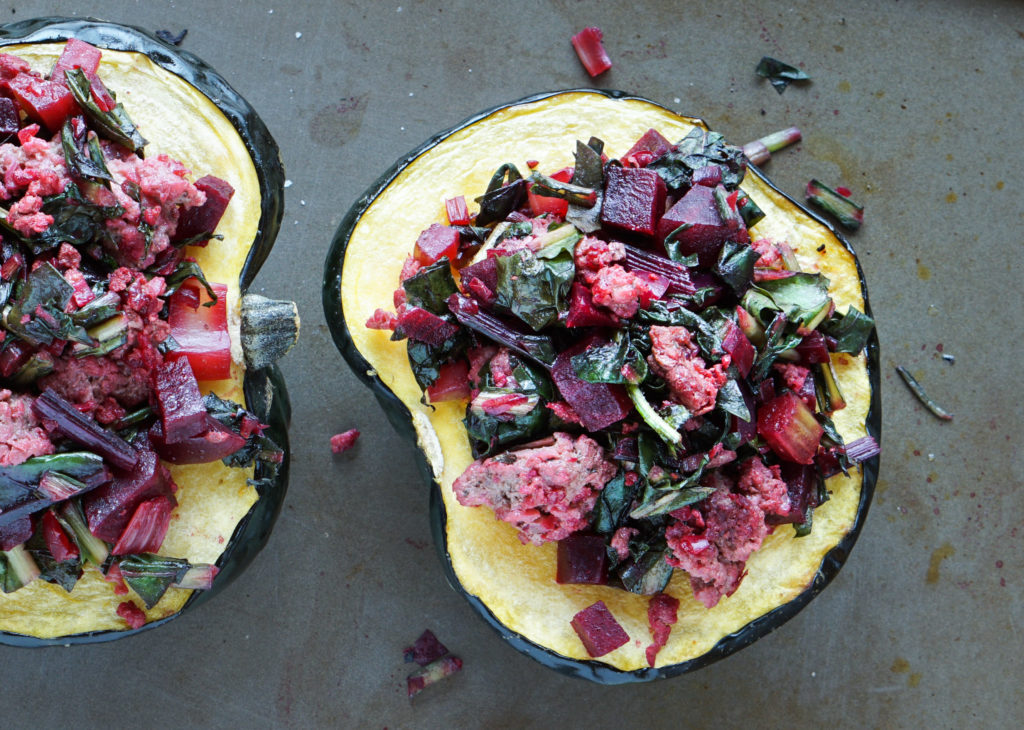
pixel 779 74
pixel 931 457
pixel 427 649
pixel 344 441
pixel 591 51
pixel 848 213
pixel 435 662
pixel 168 37
pixel 298 35
pixel 949 358
pixel 918 390
pixel 132 614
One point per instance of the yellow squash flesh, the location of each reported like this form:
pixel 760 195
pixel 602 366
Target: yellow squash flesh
pixel 181 122
pixel 516 581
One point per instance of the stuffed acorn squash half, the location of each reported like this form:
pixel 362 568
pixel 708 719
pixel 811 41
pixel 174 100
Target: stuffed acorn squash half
pixel 207 520
pixel 528 318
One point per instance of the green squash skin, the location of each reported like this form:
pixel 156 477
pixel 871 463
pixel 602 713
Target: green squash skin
pixel 264 389
pixel 400 417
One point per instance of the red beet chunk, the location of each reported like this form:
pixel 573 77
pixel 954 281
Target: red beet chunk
pixel 132 614
pixel 708 176
pixel 591 51
pixel 582 558
pixel 61 546
pixel 8 118
pixel 109 508
pixel 452 382
pixel 182 412
pixel 201 331
pixel 739 348
pixel 651 145
pixel 583 313
pixel 662 613
pixel 46 102
pixel 344 441
pixel 423 326
pixel 203 220
pixel 813 349
pixel 15 532
pixel 802 485
pixel 707 231
pixel 790 428
pixel 598 630
pixel 427 649
pixel 486 272
pixel 13 357
pixel 457 210
pixel 435 242
pixel 147 528
pixel 598 405
pixel 76 54
pixel 216 441
pixel 634 200
pixel 541 204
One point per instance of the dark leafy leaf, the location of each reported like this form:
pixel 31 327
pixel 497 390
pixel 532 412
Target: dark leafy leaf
pixel 802 297
pixel 851 330
pixel 700 148
pixel 115 124
pixel 151 575
pixel 64 574
pixel 535 290
pixel 730 400
pixel 778 73
pixel 38 316
pixel 647 573
pixel 506 192
pixel 258 446
pixel 588 173
pixel 186 270
pixel 547 187
pixel 749 210
pixel 777 340
pixel 431 286
pixel 735 265
pixel 90 166
pixel 608 363
pixel 488 433
pixel 613 504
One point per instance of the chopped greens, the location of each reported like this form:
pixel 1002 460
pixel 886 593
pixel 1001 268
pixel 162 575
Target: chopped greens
pixel 778 73
pixel 918 390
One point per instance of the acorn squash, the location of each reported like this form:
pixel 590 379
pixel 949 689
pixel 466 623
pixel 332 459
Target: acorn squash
pixel 512 585
pixel 189 112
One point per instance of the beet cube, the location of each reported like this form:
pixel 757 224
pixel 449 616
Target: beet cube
pixel 76 54
pixel 436 241
pixel 423 326
pixel 582 558
pixel 182 412
pixel 651 145
pixel 813 349
pixel 708 176
pixel 486 271
pixel 634 200
pixel 707 231
pixel 790 428
pixel 452 382
pixel 598 630
pixel 583 312
pixel 109 508
pixel 132 614
pixel 598 405
pixel 216 441
pixel 203 220
pixel 739 348
pixel 46 102
pixel 147 528
pixel 9 122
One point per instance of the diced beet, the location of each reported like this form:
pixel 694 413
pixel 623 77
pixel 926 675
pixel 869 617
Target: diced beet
pixel 591 51
pixel 583 312
pixel 203 220
pixel 457 210
pixel 598 405
pixel 790 428
pixel 60 545
pixel 76 54
pixel 83 429
pixel 813 349
pixel 46 102
pixel 651 145
pixel 709 176
pixel 14 355
pixel 707 231
pixel 677 275
pixel 598 630
pixel 541 204
pixel 634 200
pixel 15 532
pixel 662 613
pixel 626 449
pixel 423 326
pixel 582 558
pixel 132 614
pixel 179 402
pixel 452 382
pixel 147 528
pixel 739 348
pixel 707 280
pixel 201 331
pixel 427 649
pixel 109 508
pixel 802 486
pixel 486 271
pixel 9 121
pixel 436 241
pixel 216 441
pixel 344 441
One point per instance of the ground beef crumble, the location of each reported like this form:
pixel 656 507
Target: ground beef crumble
pixel 547 492
pixel 691 382
pixel 21 435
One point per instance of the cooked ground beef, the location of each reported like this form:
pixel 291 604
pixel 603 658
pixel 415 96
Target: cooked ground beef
pixel 546 492
pixel 621 291
pixel 675 358
pixel 21 436
pixel 593 254
pixel 764 487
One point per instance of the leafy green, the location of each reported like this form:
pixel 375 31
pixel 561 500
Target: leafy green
pixel 115 124
pixel 613 504
pixel 665 430
pixel 707 334
pixel 647 573
pixel 700 148
pixel 851 330
pixel 431 286
pixel 588 173
pixel 488 433
pixel 89 165
pixel 547 187
pixel 802 297
pixel 505 192
pixel 749 210
pixel 777 341
pixel 65 573
pixel 778 73
pixel 258 446
pixel 735 265
pixel 607 363
pixel 151 575
pixel 37 315
pixel 659 501
pixel 535 290
pixel 730 399
pixel 184 271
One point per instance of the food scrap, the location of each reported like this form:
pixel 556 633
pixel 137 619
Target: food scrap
pixel 760 150
pixel 344 441
pixel 918 390
pixel 435 660
pixel 591 51
pixel 836 203
pixel 779 74
pixel 598 630
pixel 662 613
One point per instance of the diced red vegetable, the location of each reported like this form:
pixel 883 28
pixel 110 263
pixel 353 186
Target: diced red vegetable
pixel 76 54
pixel 436 241
pixel 179 402
pixel 662 613
pixel 583 312
pixel 598 630
pixel 84 430
pixel 132 614
pixel 541 204
pixel 452 382
pixel 43 101
pixel 486 272
pixel 739 348
pixel 706 232
pixel 381 319
pixel 201 332
pixel 582 558
pixel 114 577
pixel 598 405
pixel 147 528
pixel 108 508
pixel 423 326
pixel 13 356
pixel 651 145
pixel 790 428
pixel 344 441
pixel 15 532
pixel 203 220
pixel 427 649
pixel 634 199
pixel 60 545
pixel 458 211
pixel 431 674
pixel 708 176
pixel 103 98
pixel 813 349
pixel 591 51
pixel 802 486
pixel 9 121
pixel 214 442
